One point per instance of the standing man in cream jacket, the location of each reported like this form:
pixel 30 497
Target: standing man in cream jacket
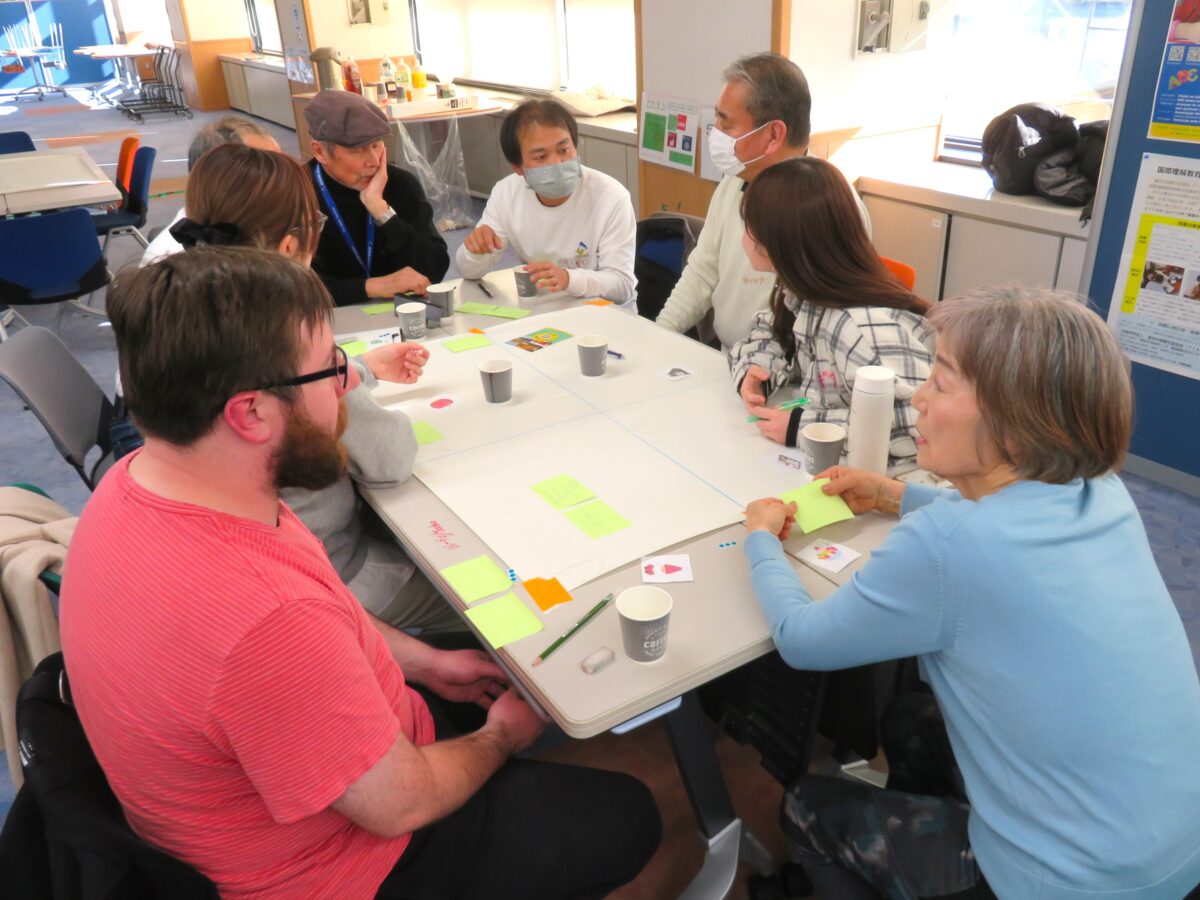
pixel 763 117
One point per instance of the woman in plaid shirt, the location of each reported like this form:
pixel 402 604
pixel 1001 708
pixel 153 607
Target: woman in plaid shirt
pixel 834 307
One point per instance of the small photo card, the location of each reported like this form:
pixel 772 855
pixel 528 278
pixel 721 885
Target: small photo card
pixel 676 373
pixel 828 555
pixel 664 569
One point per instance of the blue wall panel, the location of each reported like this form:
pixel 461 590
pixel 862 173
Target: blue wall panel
pixel 83 22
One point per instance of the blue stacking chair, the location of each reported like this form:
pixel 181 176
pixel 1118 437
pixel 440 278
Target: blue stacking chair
pixel 132 216
pixel 15 142
pixel 28 278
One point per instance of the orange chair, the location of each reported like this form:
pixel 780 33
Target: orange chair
pixel 906 273
pixel 129 148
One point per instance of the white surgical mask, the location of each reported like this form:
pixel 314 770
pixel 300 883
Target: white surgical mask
pixel 721 149
pixel 554 181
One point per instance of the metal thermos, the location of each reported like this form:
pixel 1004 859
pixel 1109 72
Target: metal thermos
pixel 328 63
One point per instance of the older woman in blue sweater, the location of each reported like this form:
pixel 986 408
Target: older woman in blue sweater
pixel 1031 599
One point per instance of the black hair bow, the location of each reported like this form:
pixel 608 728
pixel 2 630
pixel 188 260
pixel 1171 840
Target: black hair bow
pixel 220 234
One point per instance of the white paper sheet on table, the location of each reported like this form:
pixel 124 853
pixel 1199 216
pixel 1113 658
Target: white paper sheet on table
pixel 490 488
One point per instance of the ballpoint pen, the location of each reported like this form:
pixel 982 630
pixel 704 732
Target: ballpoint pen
pixel 483 287
pixel 591 614
pixel 615 355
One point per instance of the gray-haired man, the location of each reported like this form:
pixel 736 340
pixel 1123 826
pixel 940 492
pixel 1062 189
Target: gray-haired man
pixel 763 117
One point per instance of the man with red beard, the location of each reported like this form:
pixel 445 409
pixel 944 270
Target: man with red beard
pixel 251 718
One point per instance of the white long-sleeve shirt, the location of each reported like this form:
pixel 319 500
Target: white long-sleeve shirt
pixel 718 274
pixel 592 235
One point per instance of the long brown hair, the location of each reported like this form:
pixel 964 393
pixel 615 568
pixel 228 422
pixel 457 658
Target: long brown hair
pixel 802 213
pixel 266 195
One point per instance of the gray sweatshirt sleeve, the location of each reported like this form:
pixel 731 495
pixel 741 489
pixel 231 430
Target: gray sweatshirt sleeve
pixel 380 441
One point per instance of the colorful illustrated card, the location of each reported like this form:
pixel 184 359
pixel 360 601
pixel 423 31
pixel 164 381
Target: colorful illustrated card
pixel 665 569
pixel 828 555
pixel 539 339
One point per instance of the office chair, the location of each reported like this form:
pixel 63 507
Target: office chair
pixel 663 244
pixel 16 142
pixel 132 215
pixel 129 148
pixel 64 397
pixel 78 269
pixel 66 836
pixel 906 273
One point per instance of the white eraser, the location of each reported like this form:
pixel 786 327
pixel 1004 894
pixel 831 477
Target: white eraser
pixel 599 660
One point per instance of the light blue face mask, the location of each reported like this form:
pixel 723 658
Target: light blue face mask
pixel 554 181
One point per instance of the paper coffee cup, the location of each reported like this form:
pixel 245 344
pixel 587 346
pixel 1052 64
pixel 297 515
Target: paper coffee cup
pixel 821 444
pixel 526 287
pixel 443 296
pixel 593 354
pixel 644 612
pixel 497 380
pixel 412 320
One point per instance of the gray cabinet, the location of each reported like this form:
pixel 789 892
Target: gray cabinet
pixel 484 162
pixel 235 85
pixel 912 235
pixel 269 95
pixel 981 253
pixel 1070 265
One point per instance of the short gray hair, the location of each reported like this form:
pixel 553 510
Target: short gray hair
pixel 778 91
pixel 225 130
pixel 1050 379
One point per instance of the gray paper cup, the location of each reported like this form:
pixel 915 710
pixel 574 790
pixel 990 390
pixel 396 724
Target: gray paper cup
pixel 644 612
pixel 443 296
pixel 497 380
pixel 526 287
pixel 412 320
pixel 821 443
pixel 593 354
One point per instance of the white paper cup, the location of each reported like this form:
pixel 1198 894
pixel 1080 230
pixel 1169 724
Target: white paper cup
pixel 412 320
pixel 644 612
pixel 443 296
pixel 821 444
pixel 497 380
pixel 593 354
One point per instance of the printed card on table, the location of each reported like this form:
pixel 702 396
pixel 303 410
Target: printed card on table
pixel 665 569
pixel 828 555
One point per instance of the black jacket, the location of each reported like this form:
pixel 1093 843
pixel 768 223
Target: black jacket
pixel 409 239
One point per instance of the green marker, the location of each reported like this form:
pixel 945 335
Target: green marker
pixel 790 404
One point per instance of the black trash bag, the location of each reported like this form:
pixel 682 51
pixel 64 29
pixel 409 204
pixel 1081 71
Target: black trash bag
pixel 1058 178
pixel 1018 139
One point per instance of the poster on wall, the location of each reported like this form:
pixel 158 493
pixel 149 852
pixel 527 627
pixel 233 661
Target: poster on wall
pixel 1155 309
pixel 668 132
pixel 1176 114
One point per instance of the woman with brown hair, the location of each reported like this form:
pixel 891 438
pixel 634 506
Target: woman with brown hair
pixel 834 308
pixel 1055 756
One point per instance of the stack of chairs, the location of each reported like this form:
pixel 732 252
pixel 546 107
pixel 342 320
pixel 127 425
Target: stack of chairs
pixel 161 94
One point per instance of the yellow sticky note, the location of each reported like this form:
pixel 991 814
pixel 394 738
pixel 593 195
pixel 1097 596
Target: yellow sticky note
pixel 426 433
pixel 355 348
pixel 504 620
pixel 562 491
pixel 471 342
pixel 597 519
pixel 476 578
pixel 814 509
pixel 547 593
pixel 378 309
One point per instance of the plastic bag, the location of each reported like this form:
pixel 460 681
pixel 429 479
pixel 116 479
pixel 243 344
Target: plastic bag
pixel 431 150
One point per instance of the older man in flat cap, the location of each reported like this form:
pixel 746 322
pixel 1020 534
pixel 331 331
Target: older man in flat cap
pixel 380 239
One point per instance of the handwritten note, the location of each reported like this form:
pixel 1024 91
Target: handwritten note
pixel 814 509
pixel 504 620
pixel 597 519
pixel 476 578
pixel 563 491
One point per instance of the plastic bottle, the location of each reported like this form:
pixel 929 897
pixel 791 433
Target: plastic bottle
pixel 420 83
pixel 351 76
pixel 403 81
pixel 387 72
pixel 871 416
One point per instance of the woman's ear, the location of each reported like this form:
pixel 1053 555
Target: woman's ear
pixel 289 247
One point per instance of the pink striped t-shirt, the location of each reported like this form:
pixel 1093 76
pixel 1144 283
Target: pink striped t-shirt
pixel 232 689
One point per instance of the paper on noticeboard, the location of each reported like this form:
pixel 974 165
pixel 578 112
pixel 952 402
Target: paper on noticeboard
pixel 667 132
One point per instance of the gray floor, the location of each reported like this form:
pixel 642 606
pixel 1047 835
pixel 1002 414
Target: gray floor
pixel 1172 519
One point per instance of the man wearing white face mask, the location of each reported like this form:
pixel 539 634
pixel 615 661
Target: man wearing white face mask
pixel 762 118
pixel 572 226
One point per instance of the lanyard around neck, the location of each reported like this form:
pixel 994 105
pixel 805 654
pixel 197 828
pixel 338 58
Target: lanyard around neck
pixel 336 215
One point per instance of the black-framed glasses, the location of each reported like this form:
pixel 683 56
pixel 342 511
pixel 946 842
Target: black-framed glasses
pixel 340 370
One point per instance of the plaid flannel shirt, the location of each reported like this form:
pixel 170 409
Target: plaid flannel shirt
pixel 831 344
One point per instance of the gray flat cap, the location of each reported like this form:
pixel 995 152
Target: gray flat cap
pixel 345 118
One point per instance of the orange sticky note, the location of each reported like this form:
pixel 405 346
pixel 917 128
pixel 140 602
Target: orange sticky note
pixel 547 593
pixel 476 331
pixel 598 302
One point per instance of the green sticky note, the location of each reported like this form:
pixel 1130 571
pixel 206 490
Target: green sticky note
pixel 814 509
pixel 471 342
pixel 504 620
pixel 509 312
pixel 476 578
pixel 426 433
pixel 563 491
pixel 597 519
pixel 684 159
pixel 654 131
pixel 475 309
pixel 378 309
pixel 355 348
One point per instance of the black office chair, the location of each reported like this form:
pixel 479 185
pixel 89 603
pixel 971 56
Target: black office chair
pixel 66 836
pixel 16 142
pixel 663 244
pixel 132 215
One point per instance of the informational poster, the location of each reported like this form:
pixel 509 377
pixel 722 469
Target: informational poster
pixel 1177 96
pixel 668 132
pixel 1155 310
pixel 708 121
